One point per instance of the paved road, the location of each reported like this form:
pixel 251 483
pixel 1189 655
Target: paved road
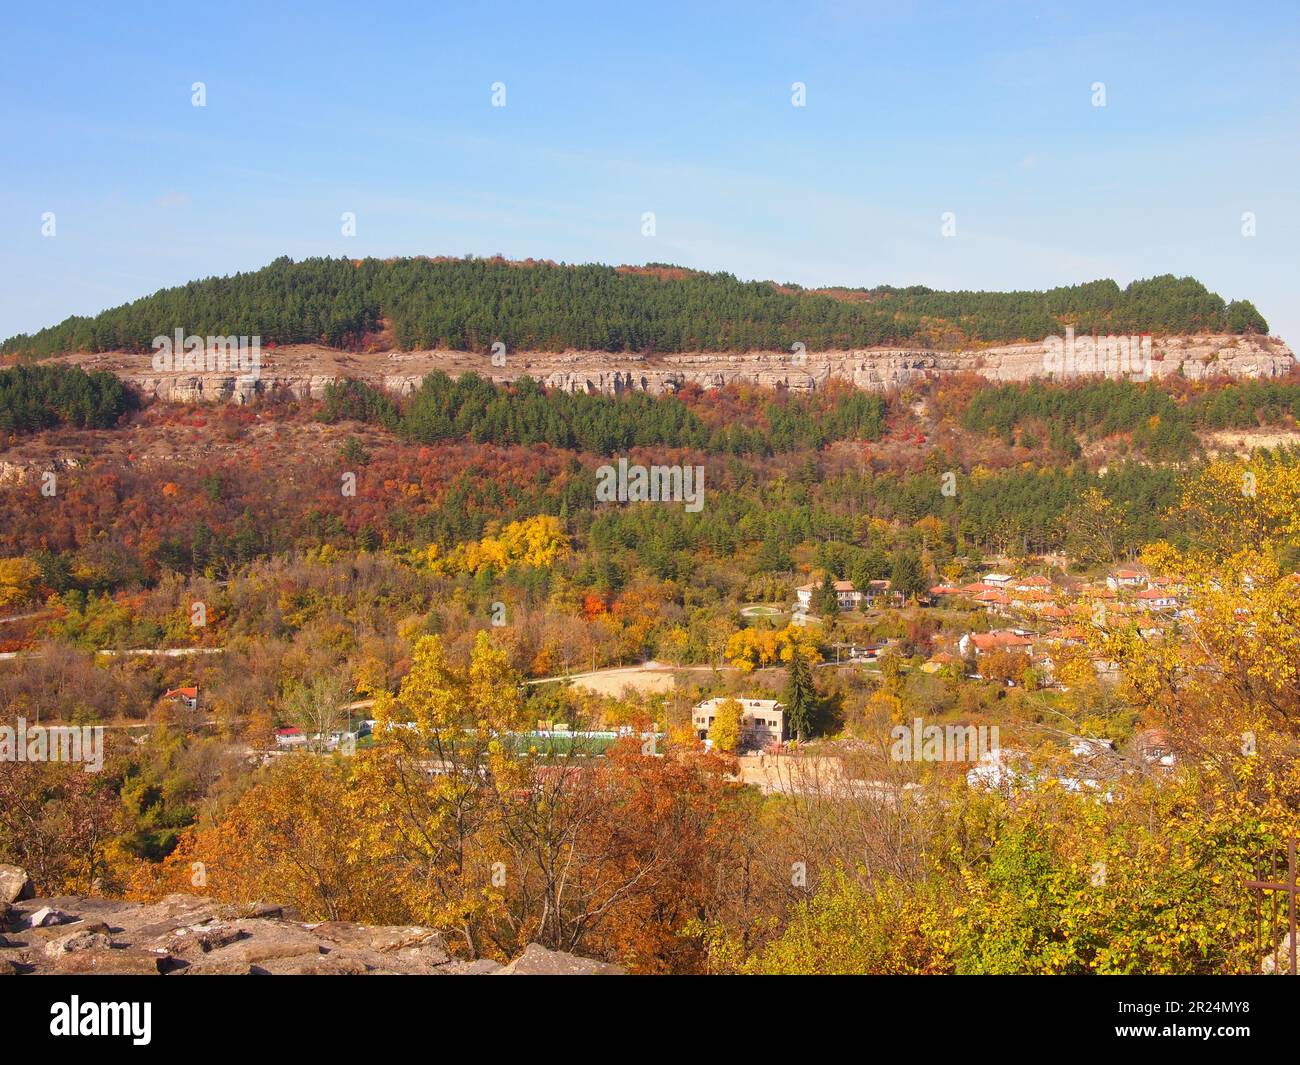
pixel 157 652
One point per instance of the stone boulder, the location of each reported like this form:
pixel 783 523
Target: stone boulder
pixel 88 936
pixel 537 960
pixel 186 935
pixel 48 917
pixel 15 885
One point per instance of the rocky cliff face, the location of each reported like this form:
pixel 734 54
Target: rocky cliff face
pixel 185 935
pixel 305 370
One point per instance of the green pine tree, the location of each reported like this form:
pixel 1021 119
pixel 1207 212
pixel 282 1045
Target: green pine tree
pixel 907 579
pixel 824 599
pixel 801 699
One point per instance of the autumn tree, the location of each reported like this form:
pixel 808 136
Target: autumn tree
pixel 447 770
pixel 59 823
pixel 301 835
pixel 1091 528
pixel 18 577
pixel 751 648
pixel 664 848
pixel 317 707
pixel 725 730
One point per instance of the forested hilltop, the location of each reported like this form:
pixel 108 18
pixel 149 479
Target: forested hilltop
pixel 469 304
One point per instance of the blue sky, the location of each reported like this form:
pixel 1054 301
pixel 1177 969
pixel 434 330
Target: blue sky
pixel 613 110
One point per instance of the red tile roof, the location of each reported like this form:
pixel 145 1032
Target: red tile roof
pixel 1068 633
pixel 991 641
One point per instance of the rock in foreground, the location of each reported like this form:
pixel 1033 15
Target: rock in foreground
pixel 14 885
pixel 188 935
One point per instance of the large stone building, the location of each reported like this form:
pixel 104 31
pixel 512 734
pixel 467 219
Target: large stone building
pixel 762 721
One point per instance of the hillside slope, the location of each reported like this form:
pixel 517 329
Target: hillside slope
pixel 306 370
pixel 470 304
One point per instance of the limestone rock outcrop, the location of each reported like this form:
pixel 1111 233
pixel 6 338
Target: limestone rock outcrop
pixel 186 935
pixel 305 370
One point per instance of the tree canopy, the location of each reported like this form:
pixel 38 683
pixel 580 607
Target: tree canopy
pixel 471 303
pixel 42 397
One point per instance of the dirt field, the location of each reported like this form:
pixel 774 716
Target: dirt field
pixel 1242 442
pixel 614 681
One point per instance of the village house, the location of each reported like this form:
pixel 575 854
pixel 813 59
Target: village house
pixel 1125 578
pixel 1070 634
pixel 982 643
pixel 983 585
pixel 997 580
pixel 1030 599
pixel 993 601
pixel 1156 599
pixel 1108 595
pixel 858 652
pixel 936 662
pixel 186 697
pixel 945 591
pixel 846 596
pixel 1155 747
pixel 290 737
pixel 882 591
pixel 762 721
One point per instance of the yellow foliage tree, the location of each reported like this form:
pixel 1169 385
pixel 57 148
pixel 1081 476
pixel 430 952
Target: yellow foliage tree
pixel 725 730
pixel 537 541
pixel 1233 505
pixel 18 577
pixel 750 649
pixel 444 779
pixel 299 836
pixel 1229 675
